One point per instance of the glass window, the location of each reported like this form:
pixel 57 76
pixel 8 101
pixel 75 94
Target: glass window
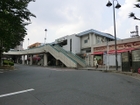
pixel 85 41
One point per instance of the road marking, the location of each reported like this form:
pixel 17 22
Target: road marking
pixel 18 92
pixel 54 69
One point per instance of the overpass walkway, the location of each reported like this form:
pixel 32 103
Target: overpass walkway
pixel 67 58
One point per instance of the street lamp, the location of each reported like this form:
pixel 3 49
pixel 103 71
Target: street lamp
pixel 28 43
pixel 117 6
pixel 45 36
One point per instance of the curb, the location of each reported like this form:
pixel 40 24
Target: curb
pixel 7 70
pixel 136 75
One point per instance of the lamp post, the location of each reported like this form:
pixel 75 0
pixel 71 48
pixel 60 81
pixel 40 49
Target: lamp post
pixel 45 36
pixel 28 43
pixel 117 6
pixel 28 52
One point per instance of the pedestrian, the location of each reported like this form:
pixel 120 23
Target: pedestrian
pixel 95 63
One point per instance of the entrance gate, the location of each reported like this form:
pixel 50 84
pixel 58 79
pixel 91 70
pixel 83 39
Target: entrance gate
pixel 126 61
pixel 135 60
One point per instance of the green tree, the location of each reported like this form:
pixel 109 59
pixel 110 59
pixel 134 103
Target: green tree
pixel 14 16
pixel 132 15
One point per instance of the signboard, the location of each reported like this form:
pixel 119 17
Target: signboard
pixel 125 57
pixel 136 55
pixel 121 46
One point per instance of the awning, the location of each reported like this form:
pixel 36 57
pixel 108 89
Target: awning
pixel 113 51
pixel 130 49
pixel 120 51
pixel 97 53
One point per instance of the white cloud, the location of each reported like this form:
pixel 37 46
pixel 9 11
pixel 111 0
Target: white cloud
pixel 126 8
pixel 67 17
pixel 110 30
pixel 124 24
pixel 62 18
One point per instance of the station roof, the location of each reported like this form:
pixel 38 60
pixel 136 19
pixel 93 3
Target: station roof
pixel 92 31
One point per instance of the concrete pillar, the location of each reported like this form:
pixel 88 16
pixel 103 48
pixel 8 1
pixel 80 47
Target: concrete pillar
pixel 17 58
pixel 27 59
pixel 23 59
pixel 57 62
pixel 27 62
pixel 45 59
pixel 31 59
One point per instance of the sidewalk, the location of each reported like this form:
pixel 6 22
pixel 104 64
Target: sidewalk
pixel 113 70
pixel 5 69
pixel 103 69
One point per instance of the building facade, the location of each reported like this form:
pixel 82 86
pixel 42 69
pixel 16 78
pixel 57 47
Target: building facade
pixel 82 43
pixel 106 51
pixel 70 43
pixel 19 47
pixel 34 45
pixel 88 45
pixel 92 43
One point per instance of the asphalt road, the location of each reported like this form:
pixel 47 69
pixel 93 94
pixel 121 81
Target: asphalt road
pixel 33 85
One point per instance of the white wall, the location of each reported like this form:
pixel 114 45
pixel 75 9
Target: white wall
pixel 76 47
pixel 67 47
pixel 111 59
pixel 19 47
pixel 83 44
pixel 92 39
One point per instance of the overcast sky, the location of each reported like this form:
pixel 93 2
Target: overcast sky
pixel 68 17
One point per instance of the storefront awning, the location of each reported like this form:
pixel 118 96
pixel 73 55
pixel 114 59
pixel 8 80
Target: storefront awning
pixel 113 51
pixel 130 49
pixel 97 53
pixel 120 51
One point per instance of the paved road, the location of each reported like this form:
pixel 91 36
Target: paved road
pixel 32 85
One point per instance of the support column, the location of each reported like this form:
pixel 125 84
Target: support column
pixel 23 59
pixel 31 59
pixel 57 62
pixel 27 60
pixel 17 59
pixel 45 59
pixel 91 45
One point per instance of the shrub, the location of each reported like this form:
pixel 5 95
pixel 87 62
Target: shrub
pixel 7 62
pixel 11 63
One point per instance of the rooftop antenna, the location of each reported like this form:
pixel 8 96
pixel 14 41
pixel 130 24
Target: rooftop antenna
pixel 135 33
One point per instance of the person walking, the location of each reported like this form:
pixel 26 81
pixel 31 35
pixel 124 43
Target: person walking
pixel 95 63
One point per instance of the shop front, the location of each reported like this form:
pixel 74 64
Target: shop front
pixel 125 52
pixel 135 60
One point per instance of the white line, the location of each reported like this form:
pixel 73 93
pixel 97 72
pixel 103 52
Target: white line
pixel 14 93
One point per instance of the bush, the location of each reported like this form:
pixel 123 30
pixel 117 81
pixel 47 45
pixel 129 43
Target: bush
pixel 11 63
pixel 7 62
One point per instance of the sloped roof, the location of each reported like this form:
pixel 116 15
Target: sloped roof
pixel 34 45
pixel 96 32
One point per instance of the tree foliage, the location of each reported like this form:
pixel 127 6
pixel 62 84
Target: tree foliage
pixel 14 16
pixel 132 15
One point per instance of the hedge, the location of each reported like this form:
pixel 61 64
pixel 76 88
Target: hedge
pixel 8 62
